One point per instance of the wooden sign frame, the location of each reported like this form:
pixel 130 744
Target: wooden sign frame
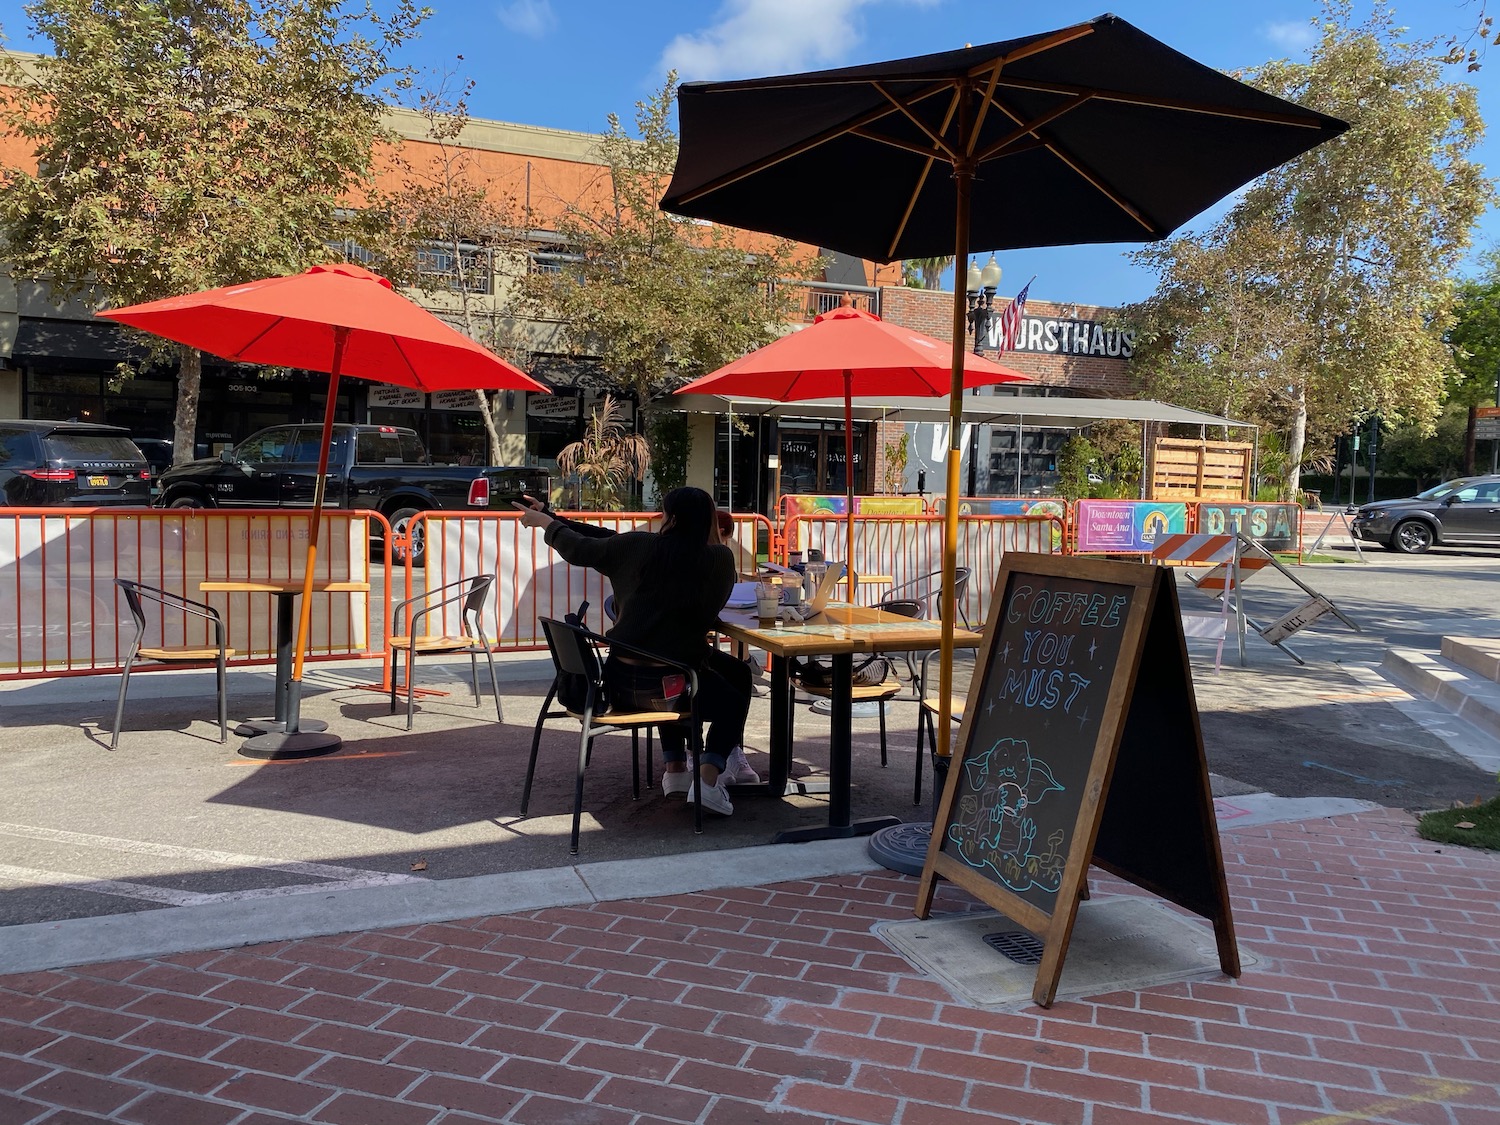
pixel 1133 799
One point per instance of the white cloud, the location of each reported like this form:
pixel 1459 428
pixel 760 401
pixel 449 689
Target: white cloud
pixel 1291 36
pixel 531 18
pixel 753 37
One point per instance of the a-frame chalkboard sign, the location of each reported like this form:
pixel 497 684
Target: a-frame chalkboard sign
pixel 1080 744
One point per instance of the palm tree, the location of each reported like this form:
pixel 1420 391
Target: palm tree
pixel 607 457
pixel 931 270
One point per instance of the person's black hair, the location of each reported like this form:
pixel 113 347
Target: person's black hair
pixel 680 548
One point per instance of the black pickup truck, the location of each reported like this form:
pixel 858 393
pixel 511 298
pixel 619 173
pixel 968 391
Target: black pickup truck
pixel 380 468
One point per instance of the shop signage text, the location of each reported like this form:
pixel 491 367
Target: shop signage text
pixel 1058 336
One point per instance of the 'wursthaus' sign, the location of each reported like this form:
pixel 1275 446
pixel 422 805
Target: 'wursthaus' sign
pixel 1052 335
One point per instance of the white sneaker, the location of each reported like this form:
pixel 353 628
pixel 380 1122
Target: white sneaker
pixel 676 784
pixel 715 797
pixel 738 771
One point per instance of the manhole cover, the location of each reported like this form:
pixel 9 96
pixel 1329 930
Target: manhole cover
pixel 1021 948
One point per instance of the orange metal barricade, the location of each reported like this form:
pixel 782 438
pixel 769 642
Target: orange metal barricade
pixel 58 612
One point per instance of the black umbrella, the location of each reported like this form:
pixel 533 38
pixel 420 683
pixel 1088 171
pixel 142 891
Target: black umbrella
pixel 1094 133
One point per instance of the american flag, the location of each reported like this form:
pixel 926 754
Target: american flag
pixel 1008 327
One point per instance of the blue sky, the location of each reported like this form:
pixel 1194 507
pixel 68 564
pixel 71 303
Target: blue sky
pixel 567 64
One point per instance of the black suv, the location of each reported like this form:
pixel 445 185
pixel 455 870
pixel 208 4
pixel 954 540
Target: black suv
pixel 70 464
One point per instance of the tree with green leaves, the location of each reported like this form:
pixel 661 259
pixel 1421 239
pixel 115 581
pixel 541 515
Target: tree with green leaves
pixel 1324 295
pixel 188 144
pixel 444 207
pixel 925 273
pixel 656 298
pixel 1475 339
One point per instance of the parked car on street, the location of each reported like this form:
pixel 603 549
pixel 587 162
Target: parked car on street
pixel 158 454
pixel 1456 513
pixel 379 468
pixel 70 464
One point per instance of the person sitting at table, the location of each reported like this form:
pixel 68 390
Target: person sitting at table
pixel 669 587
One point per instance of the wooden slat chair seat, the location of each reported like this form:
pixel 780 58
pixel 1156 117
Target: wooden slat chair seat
pixel 473 593
pixel 217 654
pixel 578 657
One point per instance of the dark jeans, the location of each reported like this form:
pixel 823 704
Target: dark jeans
pixel 723 702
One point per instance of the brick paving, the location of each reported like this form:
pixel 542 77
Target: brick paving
pixel 1376 998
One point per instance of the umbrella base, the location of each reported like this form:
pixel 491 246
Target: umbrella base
pixel 281 746
pixel 249 728
pixel 901 848
pixel 836 831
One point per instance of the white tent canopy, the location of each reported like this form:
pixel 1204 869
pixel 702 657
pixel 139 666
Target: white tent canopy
pixel 1005 410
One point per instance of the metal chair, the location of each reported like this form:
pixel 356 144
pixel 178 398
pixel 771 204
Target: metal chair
pixel 890 687
pixel 579 690
pixel 928 705
pixel 137 593
pixel 472 592
pixel 928 590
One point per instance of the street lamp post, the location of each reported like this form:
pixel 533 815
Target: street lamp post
pixel 982 286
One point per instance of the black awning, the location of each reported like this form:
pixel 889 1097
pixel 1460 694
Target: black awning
pixel 46 337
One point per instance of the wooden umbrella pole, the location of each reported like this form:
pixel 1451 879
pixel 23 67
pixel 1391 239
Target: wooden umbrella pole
pixel 963 181
pixel 304 617
pixel 849 574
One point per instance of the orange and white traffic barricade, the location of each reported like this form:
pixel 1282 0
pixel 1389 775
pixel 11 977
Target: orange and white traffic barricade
pixel 1234 559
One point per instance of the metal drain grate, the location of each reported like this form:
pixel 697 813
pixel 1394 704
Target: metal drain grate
pixel 1020 947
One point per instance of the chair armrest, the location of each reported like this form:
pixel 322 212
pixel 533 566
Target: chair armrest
pixel 186 605
pixel 428 605
pixel 688 671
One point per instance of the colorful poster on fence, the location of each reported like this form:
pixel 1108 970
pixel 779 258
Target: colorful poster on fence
pixel 1274 526
pixel 888 505
pixel 1126 527
pixel 814 505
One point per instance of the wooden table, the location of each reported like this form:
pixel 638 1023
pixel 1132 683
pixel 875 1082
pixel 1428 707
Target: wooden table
pixel 840 631
pixel 286 593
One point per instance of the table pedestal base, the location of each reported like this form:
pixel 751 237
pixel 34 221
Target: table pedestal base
pixel 835 831
pixel 249 728
pixel 281 746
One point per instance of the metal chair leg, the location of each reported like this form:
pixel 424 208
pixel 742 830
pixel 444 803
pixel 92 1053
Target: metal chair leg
pixel 223 699
pixel 411 681
pixel 536 741
pixel 494 682
pixel 583 761
pixel 114 740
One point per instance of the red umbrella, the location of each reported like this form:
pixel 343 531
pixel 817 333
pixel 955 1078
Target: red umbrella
pixel 343 320
pixel 843 351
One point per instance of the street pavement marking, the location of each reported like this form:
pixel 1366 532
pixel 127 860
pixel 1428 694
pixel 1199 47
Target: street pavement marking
pixel 334 878
pixel 163 895
pixel 169 897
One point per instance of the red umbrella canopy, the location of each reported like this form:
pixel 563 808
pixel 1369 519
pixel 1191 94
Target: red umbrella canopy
pixel 881 359
pixel 293 321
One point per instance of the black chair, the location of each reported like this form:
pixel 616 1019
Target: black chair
pixel 218 653
pixel 929 703
pixel 928 590
pixel 578 657
pixel 888 688
pixel 473 593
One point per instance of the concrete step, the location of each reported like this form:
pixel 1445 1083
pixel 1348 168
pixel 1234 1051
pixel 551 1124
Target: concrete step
pixel 1456 688
pixel 1478 654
